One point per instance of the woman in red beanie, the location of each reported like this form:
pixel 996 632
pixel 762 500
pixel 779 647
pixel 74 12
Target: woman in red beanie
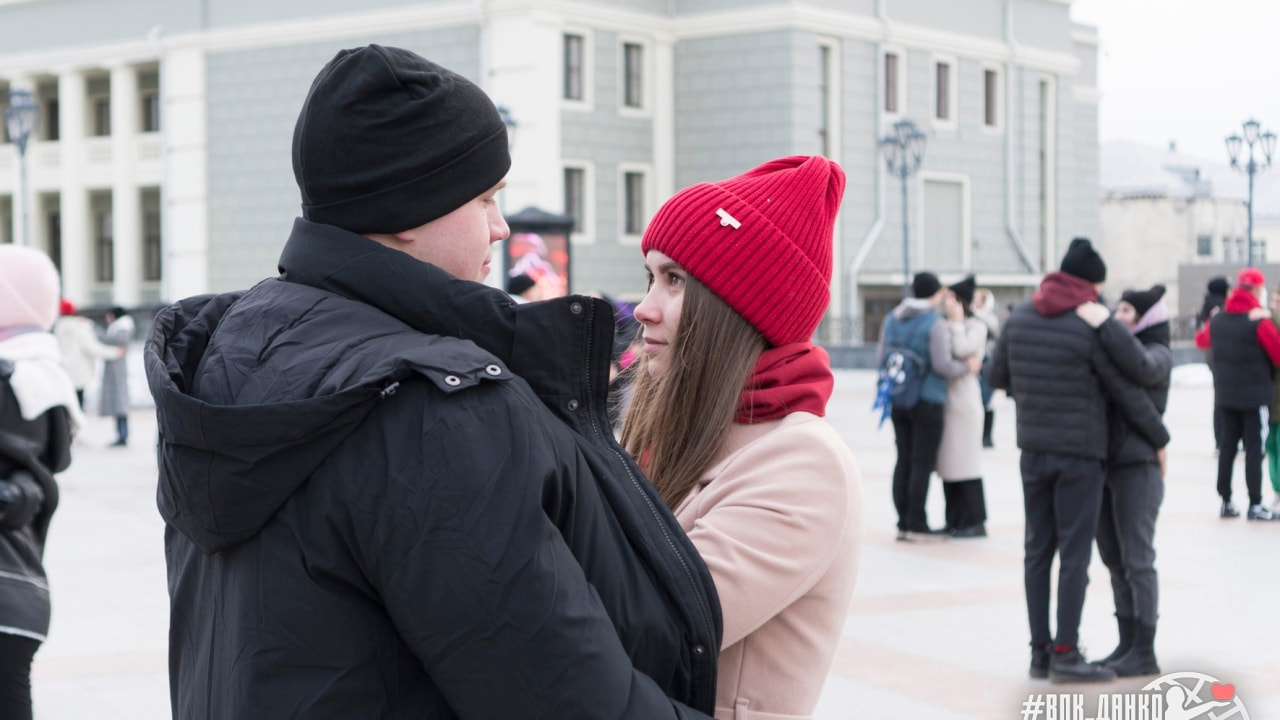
pixel 726 421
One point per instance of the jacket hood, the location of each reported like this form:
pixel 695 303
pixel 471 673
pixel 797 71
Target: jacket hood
pixel 1060 293
pixel 911 307
pixel 229 463
pixel 1241 301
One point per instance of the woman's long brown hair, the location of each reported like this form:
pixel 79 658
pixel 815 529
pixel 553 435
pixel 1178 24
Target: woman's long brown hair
pixel 676 423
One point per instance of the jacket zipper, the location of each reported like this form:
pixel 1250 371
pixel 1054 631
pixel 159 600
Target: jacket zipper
pixel 703 603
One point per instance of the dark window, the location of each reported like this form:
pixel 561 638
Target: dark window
pixel 104 248
pixel 101 116
pixel 991 87
pixel 575 196
pixel 633 187
pixel 1204 245
pixel 944 92
pixel 890 83
pixel 573 45
pixel 151 246
pixel 51 119
pixel 53 230
pixel 632 60
pixel 151 112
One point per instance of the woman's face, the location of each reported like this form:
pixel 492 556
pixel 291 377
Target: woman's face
pixel 1126 314
pixel 659 312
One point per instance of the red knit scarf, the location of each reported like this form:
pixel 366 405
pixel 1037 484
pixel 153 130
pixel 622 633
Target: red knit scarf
pixel 789 378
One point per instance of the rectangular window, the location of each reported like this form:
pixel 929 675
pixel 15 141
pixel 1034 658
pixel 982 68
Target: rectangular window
pixel 991 98
pixel 51 120
pixel 573 49
pixel 151 259
pixel 151 112
pixel 890 82
pixel 632 63
pixel 943 96
pixel 104 248
pixel 101 116
pixel 1204 245
pixel 633 201
pixel 575 190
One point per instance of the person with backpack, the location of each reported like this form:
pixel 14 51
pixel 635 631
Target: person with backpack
pixel 915 350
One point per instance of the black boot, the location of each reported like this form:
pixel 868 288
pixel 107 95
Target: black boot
pixel 988 420
pixel 1141 659
pixel 1040 660
pixel 1127 625
pixel 1067 665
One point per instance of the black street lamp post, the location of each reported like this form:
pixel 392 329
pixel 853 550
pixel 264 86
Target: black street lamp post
pixel 20 120
pixel 1266 142
pixel 903 152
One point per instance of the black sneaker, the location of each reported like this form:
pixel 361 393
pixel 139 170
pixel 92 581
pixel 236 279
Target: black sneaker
pixel 973 531
pixel 1071 667
pixel 1228 510
pixel 928 534
pixel 1260 512
pixel 904 536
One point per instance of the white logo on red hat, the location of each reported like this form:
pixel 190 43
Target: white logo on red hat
pixel 726 219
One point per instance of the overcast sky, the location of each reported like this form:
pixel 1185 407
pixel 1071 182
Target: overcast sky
pixel 1188 71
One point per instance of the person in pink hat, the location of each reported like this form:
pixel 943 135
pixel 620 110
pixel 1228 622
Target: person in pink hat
pixel 38 415
pixel 727 422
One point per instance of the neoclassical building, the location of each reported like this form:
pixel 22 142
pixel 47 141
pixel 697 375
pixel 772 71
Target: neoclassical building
pixel 160 164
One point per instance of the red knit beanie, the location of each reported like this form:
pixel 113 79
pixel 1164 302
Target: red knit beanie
pixel 761 241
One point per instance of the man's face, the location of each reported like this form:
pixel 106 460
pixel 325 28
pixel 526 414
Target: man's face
pixel 460 243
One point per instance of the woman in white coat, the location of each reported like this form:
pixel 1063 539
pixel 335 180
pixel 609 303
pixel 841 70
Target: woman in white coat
pixel 960 452
pixel 81 348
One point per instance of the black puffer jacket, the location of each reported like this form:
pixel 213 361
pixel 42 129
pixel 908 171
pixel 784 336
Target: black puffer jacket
pixel 1054 366
pixel 393 494
pixel 1147 360
pixel 36 448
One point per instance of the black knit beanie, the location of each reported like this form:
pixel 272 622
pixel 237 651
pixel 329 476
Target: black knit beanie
pixel 925 285
pixel 964 290
pixel 1084 262
pixel 1143 300
pixel 1218 286
pixel 388 141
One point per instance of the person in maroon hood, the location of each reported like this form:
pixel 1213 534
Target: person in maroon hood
pixel 1247 350
pixel 1061 378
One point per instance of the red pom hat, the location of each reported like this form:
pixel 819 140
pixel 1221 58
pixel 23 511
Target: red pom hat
pixel 1250 277
pixel 761 241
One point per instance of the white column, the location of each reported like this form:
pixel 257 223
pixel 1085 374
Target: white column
pixel 77 241
pixel 185 196
pixel 126 205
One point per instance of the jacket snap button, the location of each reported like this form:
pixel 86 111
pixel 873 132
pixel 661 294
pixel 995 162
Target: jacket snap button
pixel 493 370
pixel 699 650
pixel 572 404
pixel 576 308
pixel 452 380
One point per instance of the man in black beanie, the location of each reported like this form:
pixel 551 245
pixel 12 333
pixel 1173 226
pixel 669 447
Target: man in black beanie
pixel 915 327
pixel 1054 366
pixel 385 485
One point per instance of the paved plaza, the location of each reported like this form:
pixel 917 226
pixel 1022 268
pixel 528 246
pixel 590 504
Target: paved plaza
pixel 935 631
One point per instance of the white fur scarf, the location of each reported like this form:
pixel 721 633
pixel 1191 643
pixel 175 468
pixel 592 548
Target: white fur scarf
pixel 39 381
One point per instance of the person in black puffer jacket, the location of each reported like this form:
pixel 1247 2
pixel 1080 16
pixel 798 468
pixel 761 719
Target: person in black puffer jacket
pixel 391 492
pixel 39 413
pixel 1060 377
pixel 1137 336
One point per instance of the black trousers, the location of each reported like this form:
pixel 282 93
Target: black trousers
pixel 1240 425
pixel 966 503
pixel 1062 496
pixel 1131 501
pixel 917 433
pixel 16 653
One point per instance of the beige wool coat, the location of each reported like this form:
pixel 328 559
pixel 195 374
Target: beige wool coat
pixel 960 451
pixel 778 520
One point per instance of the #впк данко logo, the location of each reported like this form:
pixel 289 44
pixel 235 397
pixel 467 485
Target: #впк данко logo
pixel 1176 696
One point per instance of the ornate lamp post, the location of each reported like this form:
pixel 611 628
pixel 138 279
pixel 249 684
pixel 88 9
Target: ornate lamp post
pixel 1266 143
pixel 903 152
pixel 20 120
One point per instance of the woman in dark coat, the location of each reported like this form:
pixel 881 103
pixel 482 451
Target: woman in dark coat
pixel 38 411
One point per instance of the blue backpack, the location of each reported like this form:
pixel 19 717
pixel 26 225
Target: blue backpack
pixel 902 372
